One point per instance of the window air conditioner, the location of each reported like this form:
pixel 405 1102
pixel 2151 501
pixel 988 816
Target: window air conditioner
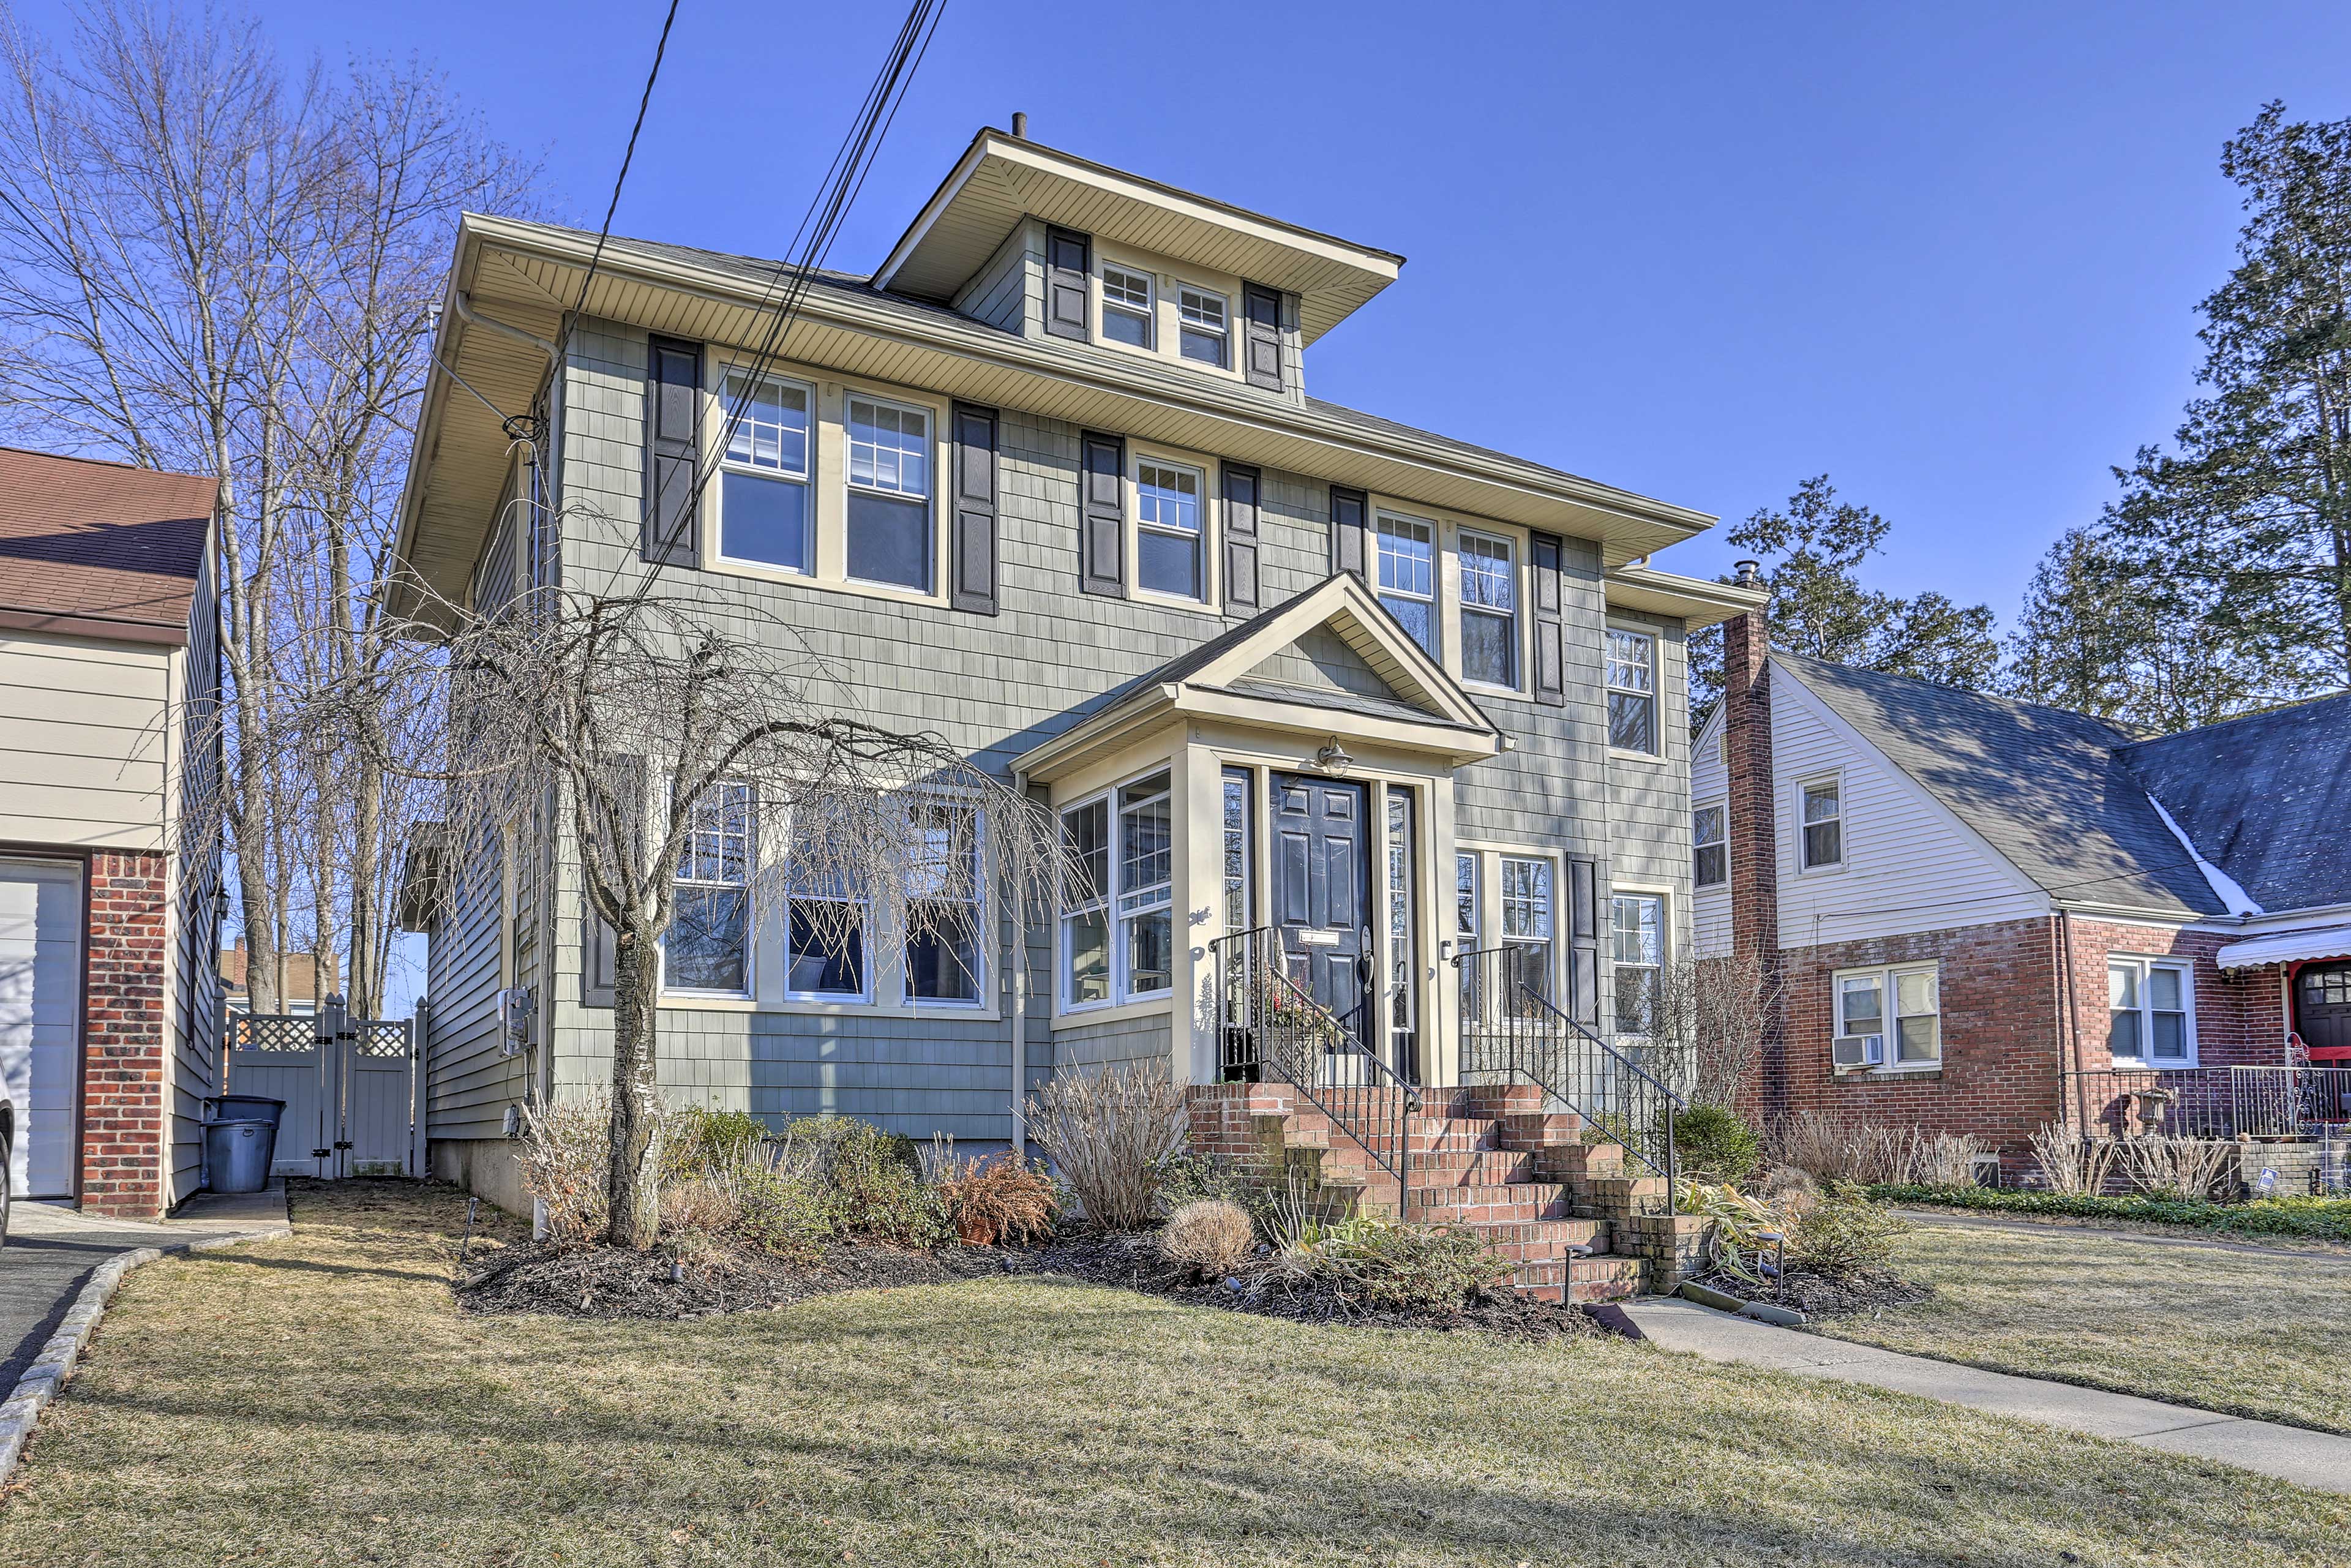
pixel 1858 1050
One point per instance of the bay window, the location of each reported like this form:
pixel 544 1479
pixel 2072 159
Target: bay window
pixel 2150 1021
pixel 889 507
pixel 763 514
pixel 1117 905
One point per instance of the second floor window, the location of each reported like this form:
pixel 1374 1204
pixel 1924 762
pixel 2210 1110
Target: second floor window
pixel 1712 847
pixel 1126 306
pixel 763 498
pixel 1409 575
pixel 709 944
pixel 1490 612
pixel 889 519
pixel 1632 690
pixel 1167 529
pixel 1204 329
pixel 1822 802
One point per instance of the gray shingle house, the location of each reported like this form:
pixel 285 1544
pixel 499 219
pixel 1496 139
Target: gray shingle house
pixel 1050 483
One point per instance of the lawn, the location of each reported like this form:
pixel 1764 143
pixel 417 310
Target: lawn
pixel 320 1399
pixel 2244 1332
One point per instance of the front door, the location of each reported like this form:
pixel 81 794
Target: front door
pixel 1321 901
pixel 2321 1006
pixel 40 1019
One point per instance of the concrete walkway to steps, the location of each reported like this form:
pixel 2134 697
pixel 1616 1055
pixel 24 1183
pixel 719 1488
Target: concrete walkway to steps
pixel 2316 1459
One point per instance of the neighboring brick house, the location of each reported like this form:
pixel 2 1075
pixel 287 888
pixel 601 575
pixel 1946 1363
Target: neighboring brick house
pixel 110 674
pixel 297 985
pixel 1049 484
pixel 1988 915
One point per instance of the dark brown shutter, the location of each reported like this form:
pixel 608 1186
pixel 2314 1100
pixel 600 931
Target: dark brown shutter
pixel 1550 629
pixel 672 398
pixel 1068 261
pixel 1583 940
pixel 1262 336
pixel 1241 484
pixel 1347 507
pixel 596 968
pixel 1102 528
pixel 972 549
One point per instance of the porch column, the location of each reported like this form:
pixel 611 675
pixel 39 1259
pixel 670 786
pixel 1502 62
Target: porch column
pixel 1198 787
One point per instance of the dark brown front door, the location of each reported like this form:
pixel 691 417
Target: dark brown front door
pixel 2321 1005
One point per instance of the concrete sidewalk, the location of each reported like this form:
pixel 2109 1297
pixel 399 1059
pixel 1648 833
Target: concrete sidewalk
pixel 52 1250
pixel 2316 1459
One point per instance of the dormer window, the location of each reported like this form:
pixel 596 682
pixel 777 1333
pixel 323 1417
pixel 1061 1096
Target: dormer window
pixel 1126 306
pixel 1203 327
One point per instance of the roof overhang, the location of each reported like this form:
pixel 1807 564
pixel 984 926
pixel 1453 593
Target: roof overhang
pixel 526 276
pixel 1001 179
pixel 1449 725
pixel 2286 947
pixel 1692 601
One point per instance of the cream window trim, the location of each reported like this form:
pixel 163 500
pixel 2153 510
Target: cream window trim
pixel 1664 898
pixel 1114 904
pixel 1513 547
pixel 742 455
pixel 1211 536
pixel 1450 526
pixel 2142 970
pixel 828 480
pixel 1653 640
pixel 1169 278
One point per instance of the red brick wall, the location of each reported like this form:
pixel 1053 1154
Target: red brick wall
pixel 2239 1020
pixel 1999 1077
pixel 123 1137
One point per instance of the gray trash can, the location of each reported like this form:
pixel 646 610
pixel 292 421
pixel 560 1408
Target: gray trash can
pixel 237 1153
pixel 248 1107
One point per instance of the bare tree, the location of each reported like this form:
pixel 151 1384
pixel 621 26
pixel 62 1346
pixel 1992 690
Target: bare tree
pixel 1710 1015
pixel 209 264
pixel 703 766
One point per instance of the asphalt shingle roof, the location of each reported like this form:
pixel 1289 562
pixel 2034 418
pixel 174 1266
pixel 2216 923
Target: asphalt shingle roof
pixel 2267 797
pixel 2049 789
pixel 99 541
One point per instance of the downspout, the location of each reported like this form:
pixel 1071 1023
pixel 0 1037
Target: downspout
pixel 2069 1033
pixel 467 314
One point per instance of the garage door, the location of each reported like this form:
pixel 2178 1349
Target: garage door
pixel 40 1012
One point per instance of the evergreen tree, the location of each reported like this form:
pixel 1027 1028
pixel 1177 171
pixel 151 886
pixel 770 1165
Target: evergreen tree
pixel 1812 554
pixel 2253 511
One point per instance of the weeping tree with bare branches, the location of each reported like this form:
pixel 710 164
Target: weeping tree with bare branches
pixel 698 765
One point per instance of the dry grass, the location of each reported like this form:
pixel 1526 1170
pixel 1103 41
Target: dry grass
pixel 2242 1333
pixel 1831 1146
pixel 320 1400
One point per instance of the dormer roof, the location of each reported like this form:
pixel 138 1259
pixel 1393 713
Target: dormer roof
pixel 1001 179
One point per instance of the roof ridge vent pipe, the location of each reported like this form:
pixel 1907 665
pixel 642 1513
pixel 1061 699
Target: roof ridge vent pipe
pixel 1747 573
pixel 1020 125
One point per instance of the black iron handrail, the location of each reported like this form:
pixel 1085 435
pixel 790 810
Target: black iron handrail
pixel 2218 1102
pixel 1267 1024
pixel 1510 1029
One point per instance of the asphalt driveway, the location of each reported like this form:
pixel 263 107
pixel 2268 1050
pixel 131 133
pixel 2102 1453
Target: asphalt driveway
pixel 52 1250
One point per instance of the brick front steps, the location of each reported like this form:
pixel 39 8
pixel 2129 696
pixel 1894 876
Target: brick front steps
pixel 1490 1160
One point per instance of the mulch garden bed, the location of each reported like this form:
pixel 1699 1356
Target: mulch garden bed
pixel 606 1282
pixel 1819 1296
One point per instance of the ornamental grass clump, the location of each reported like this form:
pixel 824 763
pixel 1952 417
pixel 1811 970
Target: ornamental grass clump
pixel 998 1198
pixel 1110 1134
pixel 563 1154
pixel 2071 1160
pixel 1210 1238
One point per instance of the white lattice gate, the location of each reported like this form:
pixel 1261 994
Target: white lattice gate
pixel 349 1086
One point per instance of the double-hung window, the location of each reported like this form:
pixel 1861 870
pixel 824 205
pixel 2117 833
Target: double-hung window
pixel 1632 690
pixel 764 514
pixel 1899 1008
pixel 1527 920
pixel 889 512
pixel 1126 306
pixel 946 904
pixel 1489 611
pixel 1822 801
pixel 824 923
pixel 1465 929
pixel 1167 529
pixel 1203 327
pixel 1637 928
pixel 2150 1021
pixel 1710 845
pixel 1408 550
pixel 707 947
pixel 1117 915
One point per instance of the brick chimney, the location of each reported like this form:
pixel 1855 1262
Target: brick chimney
pixel 1754 856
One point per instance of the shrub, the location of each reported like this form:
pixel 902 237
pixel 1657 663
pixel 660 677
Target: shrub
pixel 2188 1168
pixel 999 1198
pixel 1186 1177
pixel 2327 1218
pixel 700 1142
pixel 1844 1234
pixel 1945 1159
pixel 1409 1266
pixel 2070 1159
pixel 875 1178
pixel 785 1215
pixel 1209 1237
pixel 1737 1240
pixel 1714 1145
pixel 564 1158
pixel 1110 1134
